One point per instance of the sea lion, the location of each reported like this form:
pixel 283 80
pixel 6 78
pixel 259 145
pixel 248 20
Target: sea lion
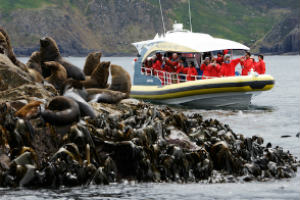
pixel 99 77
pixel 120 80
pixel 80 96
pixel 49 52
pixel 58 74
pixel 91 62
pixel 34 62
pixel 61 111
pixel 29 110
pixel 105 95
pixel 6 48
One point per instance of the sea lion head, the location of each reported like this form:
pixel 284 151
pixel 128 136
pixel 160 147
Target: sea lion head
pixel 49 49
pixel 3 45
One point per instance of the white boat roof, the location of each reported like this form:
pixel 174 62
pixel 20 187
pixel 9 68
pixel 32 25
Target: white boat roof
pixel 180 40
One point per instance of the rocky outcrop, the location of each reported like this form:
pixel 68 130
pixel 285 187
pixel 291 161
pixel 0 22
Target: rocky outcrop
pixel 283 38
pixel 11 76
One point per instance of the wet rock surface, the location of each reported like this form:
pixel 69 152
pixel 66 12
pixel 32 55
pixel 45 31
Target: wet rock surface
pixel 135 141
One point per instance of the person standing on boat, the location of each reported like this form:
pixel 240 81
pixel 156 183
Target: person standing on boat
pixel 228 66
pixel 170 66
pixel 260 66
pixel 214 69
pixel 157 68
pixel 247 64
pixel 220 58
pixel 204 67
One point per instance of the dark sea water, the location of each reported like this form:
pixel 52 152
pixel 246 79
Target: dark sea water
pixel 271 115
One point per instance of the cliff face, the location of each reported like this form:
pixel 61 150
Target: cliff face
pixel 283 37
pixel 112 25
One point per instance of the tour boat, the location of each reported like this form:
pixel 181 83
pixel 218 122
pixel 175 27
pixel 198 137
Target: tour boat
pixel 165 88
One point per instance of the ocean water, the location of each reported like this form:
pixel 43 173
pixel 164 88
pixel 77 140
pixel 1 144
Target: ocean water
pixel 272 114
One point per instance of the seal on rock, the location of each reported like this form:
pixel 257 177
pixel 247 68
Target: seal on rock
pixel 105 95
pixel 61 111
pixel 120 80
pixel 34 62
pixel 80 96
pixel 99 77
pixel 58 74
pixel 49 52
pixel 91 62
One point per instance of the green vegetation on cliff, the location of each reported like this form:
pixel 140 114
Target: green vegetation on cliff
pixel 111 25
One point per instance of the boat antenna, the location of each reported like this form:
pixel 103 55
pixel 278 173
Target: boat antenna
pixel 162 18
pixel 190 16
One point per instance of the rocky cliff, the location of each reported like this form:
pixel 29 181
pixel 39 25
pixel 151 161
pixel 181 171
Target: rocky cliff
pixel 112 25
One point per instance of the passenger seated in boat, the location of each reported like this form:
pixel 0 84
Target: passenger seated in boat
pixel 191 72
pixel 214 69
pixel 182 65
pixel 147 69
pixel 220 58
pixel 204 67
pixel 228 66
pixel 247 64
pixel 260 66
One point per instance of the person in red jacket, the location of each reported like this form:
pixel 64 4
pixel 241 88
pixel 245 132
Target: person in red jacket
pixel 181 70
pixel 247 64
pixel 228 66
pixel 171 64
pixel 147 69
pixel 260 66
pixel 204 68
pixel 157 68
pixel 191 72
pixel 214 69
pixel 220 58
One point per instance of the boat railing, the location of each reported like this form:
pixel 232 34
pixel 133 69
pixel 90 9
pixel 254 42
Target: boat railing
pixel 168 78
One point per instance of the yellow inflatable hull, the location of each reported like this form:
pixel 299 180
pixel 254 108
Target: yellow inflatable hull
pixel 208 92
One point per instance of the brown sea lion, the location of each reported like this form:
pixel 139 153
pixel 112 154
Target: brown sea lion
pixel 6 48
pixel 36 76
pixel 120 80
pixel 91 62
pixel 58 74
pixel 99 77
pixel 105 95
pixel 61 111
pixel 49 52
pixel 34 62
pixel 29 110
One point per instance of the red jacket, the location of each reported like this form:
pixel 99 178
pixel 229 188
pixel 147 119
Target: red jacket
pixel 260 67
pixel 205 70
pixel 228 69
pixel 247 66
pixel 214 71
pixel 220 60
pixel 191 73
pixel 170 65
